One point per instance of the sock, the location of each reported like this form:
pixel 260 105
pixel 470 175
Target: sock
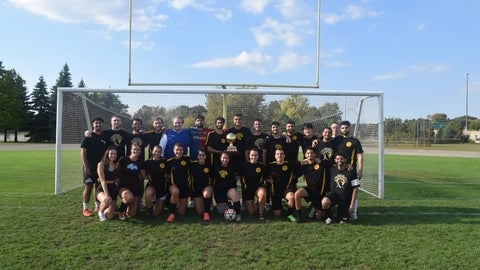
pixel 237 207
pixel 289 211
pixel 208 203
pixel 150 210
pixel 172 208
pixel 85 205
pixel 299 213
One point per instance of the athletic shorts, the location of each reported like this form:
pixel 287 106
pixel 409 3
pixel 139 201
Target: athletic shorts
pixel 90 179
pixel 136 190
pixel 314 197
pixel 112 191
pixel 342 210
pixel 249 193
pixel 160 192
pixel 277 198
pixel 184 192
pixel 198 191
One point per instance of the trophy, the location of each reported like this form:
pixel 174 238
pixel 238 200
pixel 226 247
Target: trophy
pixel 231 149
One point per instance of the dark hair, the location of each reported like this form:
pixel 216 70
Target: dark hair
pixel 290 122
pixel 308 125
pixel 238 115
pixel 341 154
pixel 276 123
pixel 97 119
pixel 138 120
pixel 309 148
pixel 345 123
pixel 220 119
pixel 201 117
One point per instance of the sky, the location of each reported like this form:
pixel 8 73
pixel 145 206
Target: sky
pixel 418 53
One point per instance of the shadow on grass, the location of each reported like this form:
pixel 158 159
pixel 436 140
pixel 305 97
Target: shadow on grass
pixel 414 215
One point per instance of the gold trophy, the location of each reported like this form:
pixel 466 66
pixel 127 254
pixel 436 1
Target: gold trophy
pixel 232 149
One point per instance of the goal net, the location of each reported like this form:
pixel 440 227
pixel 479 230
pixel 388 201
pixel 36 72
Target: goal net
pixel 77 106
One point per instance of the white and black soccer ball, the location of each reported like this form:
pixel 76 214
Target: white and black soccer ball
pixel 230 214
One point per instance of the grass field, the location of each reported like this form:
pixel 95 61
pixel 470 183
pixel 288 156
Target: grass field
pixel 429 219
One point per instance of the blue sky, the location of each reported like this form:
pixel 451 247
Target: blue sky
pixel 416 52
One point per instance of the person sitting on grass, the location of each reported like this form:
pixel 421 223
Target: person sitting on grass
pixel 225 186
pixel 201 190
pixel 343 191
pixel 178 173
pixel 107 192
pixel 156 168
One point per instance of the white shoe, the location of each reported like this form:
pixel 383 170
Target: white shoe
pixel 191 204
pixel 239 217
pixel 101 216
pixel 329 221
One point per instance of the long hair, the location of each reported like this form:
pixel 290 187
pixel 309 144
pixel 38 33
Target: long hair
pixel 105 160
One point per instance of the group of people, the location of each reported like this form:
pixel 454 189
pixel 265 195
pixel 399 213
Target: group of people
pixel 204 166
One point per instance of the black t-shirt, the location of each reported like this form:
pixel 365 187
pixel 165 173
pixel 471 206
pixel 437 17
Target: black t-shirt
pixel 252 175
pixel 95 146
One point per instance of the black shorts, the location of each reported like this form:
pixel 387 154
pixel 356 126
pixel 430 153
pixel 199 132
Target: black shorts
pixel 136 190
pixel 197 191
pixel 277 197
pixel 314 197
pixel 184 191
pixel 90 179
pixel 220 194
pixel 160 192
pixel 342 210
pixel 112 191
pixel 249 193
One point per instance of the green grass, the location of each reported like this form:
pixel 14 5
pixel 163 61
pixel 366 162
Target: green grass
pixel 429 219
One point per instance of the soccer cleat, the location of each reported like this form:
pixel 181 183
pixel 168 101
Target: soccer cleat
pixel 121 215
pixel 353 217
pixel 87 213
pixel 268 207
pixel 171 218
pixel 291 218
pixel 329 221
pixel 101 216
pixel 298 219
pixel 239 217
pixel 97 208
pixel 190 204
pixel 206 216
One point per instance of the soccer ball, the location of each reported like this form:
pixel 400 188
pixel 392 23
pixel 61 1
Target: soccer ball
pixel 230 214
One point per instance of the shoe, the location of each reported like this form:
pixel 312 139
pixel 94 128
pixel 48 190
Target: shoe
pixel 312 213
pixel 284 205
pixel 171 218
pixel 121 215
pixel 329 221
pixel 243 208
pixel 267 207
pixel 101 216
pixel 206 216
pixel 291 218
pixel 97 208
pixel 239 217
pixel 261 217
pixel 191 204
pixel 353 217
pixel 87 213
pixel 298 219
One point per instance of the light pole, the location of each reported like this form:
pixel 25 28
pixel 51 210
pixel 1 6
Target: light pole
pixel 466 105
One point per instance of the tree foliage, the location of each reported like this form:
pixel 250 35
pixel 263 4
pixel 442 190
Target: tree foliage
pixel 251 106
pixel 41 106
pixel 147 113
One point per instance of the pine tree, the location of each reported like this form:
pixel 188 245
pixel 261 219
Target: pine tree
pixel 39 127
pixel 64 80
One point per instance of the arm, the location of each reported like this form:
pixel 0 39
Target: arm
pixel 83 155
pixel 163 143
pixel 101 178
pixel 351 207
pixel 360 166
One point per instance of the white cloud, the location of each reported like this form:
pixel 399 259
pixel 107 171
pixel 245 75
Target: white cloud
pixel 418 68
pixel 333 53
pixel 113 14
pixel 390 76
pixel 291 60
pixel 296 9
pixel 180 4
pixel 272 30
pixel 350 12
pixel 254 6
pixel 252 60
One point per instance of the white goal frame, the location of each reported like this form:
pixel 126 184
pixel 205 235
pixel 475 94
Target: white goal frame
pixel 308 92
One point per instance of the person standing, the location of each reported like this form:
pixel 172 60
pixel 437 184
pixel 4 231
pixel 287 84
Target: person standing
pixel 153 137
pixel 241 135
pixel 137 136
pixel 107 192
pixel 176 135
pixel 308 136
pixel 343 191
pixel 354 153
pixel 294 139
pixel 216 142
pixel 335 129
pixel 91 151
pixel 199 136
pixel 257 139
pixel 273 142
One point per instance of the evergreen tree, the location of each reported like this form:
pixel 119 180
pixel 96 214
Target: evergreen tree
pixel 64 80
pixel 15 106
pixel 39 126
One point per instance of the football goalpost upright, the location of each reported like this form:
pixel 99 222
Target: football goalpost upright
pixel 75 109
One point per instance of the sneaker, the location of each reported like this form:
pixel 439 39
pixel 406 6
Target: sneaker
pixel 87 213
pixel 121 215
pixel 267 207
pixel 329 221
pixel 239 217
pixel 298 219
pixel 312 213
pixel 191 204
pixel 291 218
pixel 206 216
pixel 97 208
pixel 261 217
pixel 353 217
pixel 171 218
pixel 101 216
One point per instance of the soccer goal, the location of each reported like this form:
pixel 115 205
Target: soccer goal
pixel 77 106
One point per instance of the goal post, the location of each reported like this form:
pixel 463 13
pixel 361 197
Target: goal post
pixel 364 109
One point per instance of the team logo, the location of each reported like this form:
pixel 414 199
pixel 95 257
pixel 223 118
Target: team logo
pixel 239 136
pixel 223 140
pixel 349 144
pixel 132 167
pixel 183 163
pixel 259 143
pixel 278 146
pixel 294 138
pixel 223 174
pixel 206 170
pixel 316 167
pixel 340 180
pixel 116 139
pixel 162 165
pixel 284 168
pixel 327 153
pixel 258 170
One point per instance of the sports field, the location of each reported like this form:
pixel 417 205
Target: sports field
pixel 429 219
